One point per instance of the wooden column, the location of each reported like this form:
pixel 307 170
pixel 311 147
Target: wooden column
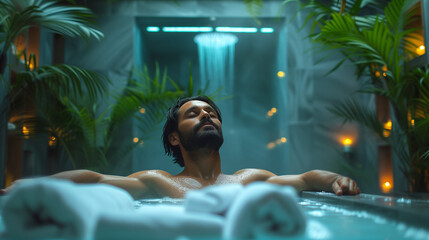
pixel 385 166
pixel 30 41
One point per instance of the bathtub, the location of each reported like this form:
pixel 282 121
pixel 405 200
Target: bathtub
pixel 364 216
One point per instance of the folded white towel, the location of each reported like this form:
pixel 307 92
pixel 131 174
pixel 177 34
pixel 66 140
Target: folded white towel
pixel 51 208
pixel 262 211
pixel 158 223
pixel 213 199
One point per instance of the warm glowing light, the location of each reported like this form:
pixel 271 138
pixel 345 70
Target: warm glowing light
pixel 271 145
pixel 30 65
pixel 421 50
pixel 386 187
pixel 142 110
pixel 269 114
pixel 387 129
pixel 52 141
pixel 25 130
pixel 347 142
pixel 412 122
pixel 384 68
pixel 273 110
pixel 136 139
pixel 283 139
pixel 281 74
pixel 384 74
pixel 377 73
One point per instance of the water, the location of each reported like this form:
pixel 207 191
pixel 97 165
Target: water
pixel 364 216
pixel 216 58
pixel 348 217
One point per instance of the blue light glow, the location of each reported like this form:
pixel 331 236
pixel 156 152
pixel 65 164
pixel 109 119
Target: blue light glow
pixel 187 29
pixel 237 29
pixel 216 57
pixel 267 30
pixel 152 29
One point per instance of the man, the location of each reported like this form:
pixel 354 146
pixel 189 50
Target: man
pixel 193 135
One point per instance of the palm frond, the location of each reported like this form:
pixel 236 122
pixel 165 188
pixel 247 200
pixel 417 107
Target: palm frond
pixel 351 110
pixel 63 80
pixel 17 16
pixel 254 8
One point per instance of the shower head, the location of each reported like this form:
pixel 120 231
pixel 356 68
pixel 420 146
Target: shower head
pixel 215 39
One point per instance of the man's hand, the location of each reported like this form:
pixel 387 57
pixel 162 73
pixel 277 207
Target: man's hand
pixel 4 191
pixel 345 186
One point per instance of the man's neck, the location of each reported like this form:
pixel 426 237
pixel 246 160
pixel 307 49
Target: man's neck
pixel 203 164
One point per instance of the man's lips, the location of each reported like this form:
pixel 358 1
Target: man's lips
pixel 207 124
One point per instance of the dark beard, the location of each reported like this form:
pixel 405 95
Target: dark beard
pixel 209 139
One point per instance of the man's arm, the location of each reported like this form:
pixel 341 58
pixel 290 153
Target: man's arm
pixel 133 185
pixel 318 180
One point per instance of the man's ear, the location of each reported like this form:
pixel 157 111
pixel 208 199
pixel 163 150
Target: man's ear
pixel 174 138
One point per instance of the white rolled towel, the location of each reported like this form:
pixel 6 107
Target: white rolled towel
pixel 52 208
pixel 263 211
pixel 158 223
pixel 214 199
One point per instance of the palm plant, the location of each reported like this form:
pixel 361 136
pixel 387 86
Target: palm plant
pixel 380 46
pixel 35 92
pixel 92 140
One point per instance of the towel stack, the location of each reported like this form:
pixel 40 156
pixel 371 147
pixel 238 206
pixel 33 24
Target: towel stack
pixel 259 210
pixel 48 208
pixel 52 208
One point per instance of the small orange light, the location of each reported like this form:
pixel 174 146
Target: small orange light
pixel 25 131
pixel 387 128
pixel 412 122
pixel 384 68
pixel 377 73
pixel 52 141
pixel 142 110
pixel 281 74
pixel 136 139
pixel 271 145
pixel 273 110
pixel 384 74
pixel 386 187
pixel 347 142
pixel 283 139
pixel 421 50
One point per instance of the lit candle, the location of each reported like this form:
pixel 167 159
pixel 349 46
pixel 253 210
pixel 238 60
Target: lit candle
pixel 347 144
pixel 387 129
pixel 421 50
pixel 386 187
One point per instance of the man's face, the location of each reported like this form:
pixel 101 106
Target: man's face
pixel 199 126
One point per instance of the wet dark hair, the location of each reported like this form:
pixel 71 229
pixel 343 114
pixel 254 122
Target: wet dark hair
pixel 172 123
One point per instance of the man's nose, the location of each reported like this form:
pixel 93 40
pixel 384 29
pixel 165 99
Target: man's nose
pixel 205 114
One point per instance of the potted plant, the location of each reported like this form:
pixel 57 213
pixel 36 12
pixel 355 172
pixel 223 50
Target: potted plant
pixel 381 46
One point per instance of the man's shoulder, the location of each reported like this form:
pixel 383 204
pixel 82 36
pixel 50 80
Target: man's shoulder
pixel 248 175
pixel 150 173
pixel 253 171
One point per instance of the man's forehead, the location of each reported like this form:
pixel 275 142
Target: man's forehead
pixel 193 103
